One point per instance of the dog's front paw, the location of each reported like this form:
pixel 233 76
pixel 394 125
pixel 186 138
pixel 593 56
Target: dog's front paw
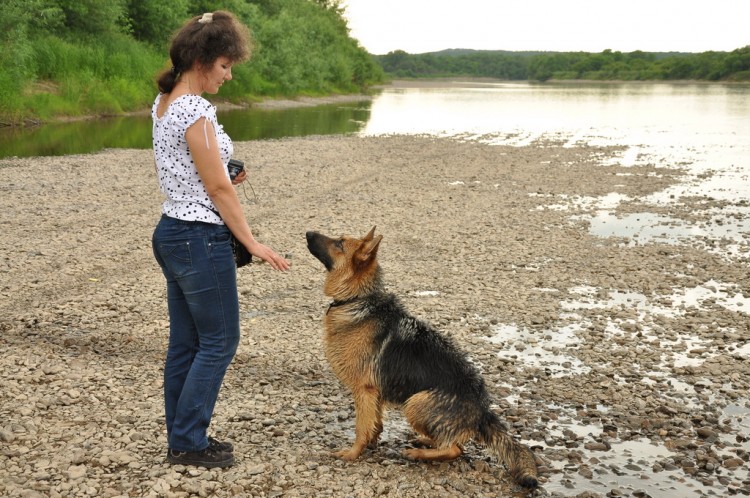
pixel 373 442
pixel 348 455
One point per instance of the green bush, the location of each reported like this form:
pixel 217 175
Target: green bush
pixel 75 57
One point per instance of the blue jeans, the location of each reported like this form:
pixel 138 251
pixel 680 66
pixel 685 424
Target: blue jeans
pixel 204 324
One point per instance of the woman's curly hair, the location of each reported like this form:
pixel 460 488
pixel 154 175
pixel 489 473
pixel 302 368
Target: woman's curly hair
pixel 202 40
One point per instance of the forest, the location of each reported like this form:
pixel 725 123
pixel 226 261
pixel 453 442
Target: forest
pixel 101 57
pixel 543 66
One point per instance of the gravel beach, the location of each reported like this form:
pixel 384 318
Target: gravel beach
pixel 591 346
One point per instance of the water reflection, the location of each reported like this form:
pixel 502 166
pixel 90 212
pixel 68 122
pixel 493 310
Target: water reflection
pixel 81 137
pixel 330 119
pixel 494 107
pixel 75 138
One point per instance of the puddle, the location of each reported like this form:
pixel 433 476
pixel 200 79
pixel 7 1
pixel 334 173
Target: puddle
pixel 643 228
pixel 628 467
pixel 638 466
pixel 640 227
pixel 716 170
pixel 725 295
pixel 678 391
pixel 738 415
pixel 680 350
pixel 711 293
pixel 722 231
pixel 634 467
pixel 742 351
pixel 542 351
pixel 550 350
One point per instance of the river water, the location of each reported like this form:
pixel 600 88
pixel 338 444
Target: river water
pixel 700 126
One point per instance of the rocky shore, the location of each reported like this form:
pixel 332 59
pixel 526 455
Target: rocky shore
pixel 624 365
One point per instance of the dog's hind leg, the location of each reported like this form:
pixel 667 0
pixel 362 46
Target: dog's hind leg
pixel 425 441
pixel 369 423
pixel 435 454
pixel 421 414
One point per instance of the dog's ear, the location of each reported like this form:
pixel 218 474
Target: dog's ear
pixel 369 235
pixel 369 250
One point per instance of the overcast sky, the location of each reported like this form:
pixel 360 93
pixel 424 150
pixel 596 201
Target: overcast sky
pixel 418 26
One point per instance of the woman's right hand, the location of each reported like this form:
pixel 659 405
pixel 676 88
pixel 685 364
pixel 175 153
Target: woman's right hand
pixel 241 177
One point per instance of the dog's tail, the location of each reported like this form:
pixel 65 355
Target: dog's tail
pixel 517 458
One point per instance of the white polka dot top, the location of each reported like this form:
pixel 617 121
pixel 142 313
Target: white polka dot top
pixel 186 196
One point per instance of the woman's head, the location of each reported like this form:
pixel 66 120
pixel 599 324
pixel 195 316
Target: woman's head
pixel 201 41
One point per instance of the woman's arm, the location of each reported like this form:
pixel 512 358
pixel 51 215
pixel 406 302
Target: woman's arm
pixel 205 151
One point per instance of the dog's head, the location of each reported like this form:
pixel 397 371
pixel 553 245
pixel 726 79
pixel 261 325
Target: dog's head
pixel 351 263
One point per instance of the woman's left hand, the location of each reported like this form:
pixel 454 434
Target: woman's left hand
pixel 268 255
pixel 241 177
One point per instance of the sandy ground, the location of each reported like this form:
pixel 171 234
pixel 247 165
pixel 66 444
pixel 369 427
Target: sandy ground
pixel 617 399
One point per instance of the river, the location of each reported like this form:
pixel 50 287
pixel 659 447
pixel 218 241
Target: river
pixel 704 127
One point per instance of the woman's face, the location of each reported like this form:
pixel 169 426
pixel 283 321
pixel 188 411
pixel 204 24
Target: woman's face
pixel 216 75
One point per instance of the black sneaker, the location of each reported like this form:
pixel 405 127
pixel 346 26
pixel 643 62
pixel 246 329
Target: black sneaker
pixel 224 446
pixel 209 458
pixel 217 445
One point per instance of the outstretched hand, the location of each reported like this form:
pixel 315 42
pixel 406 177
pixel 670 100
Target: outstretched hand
pixel 268 255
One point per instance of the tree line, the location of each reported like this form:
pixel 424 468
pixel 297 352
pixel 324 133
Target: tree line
pixel 543 66
pixel 81 57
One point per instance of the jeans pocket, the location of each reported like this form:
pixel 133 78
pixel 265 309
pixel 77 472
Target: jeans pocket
pixel 176 257
pixel 222 236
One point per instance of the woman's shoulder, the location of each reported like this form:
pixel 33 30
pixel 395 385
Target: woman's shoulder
pixel 193 103
pixel 187 109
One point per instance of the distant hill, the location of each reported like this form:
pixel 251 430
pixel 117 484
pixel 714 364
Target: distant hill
pixel 545 65
pixel 453 52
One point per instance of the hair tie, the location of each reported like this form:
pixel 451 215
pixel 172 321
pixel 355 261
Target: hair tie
pixel 207 18
pixel 174 71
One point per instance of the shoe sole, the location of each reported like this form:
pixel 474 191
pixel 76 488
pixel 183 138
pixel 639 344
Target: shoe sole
pixel 219 446
pixel 208 465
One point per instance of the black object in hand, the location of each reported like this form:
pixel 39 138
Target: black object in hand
pixel 235 167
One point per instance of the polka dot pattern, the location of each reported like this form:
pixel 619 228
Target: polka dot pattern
pixel 186 196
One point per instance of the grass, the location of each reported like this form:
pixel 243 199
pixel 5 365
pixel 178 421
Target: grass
pixel 69 78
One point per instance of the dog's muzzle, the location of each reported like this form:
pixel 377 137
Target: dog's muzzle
pixel 318 245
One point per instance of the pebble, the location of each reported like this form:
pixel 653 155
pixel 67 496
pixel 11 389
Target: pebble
pixel 733 463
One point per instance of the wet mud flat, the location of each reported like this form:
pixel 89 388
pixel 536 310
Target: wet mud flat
pixel 614 336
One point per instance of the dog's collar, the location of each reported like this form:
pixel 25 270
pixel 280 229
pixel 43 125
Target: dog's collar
pixel 337 303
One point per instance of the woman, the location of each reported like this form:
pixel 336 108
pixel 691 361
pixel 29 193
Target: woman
pixel 191 241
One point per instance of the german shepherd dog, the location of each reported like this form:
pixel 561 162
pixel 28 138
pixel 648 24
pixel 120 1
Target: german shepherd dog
pixel 387 357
